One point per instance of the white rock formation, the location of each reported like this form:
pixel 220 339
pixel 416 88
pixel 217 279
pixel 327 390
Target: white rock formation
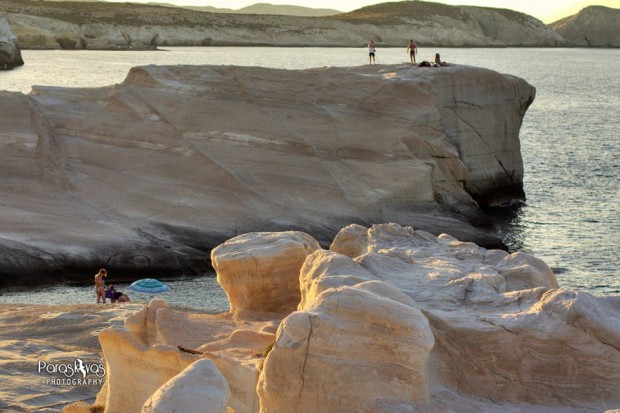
pixel 594 26
pixel 351 347
pixel 260 271
pixel 158 343
pixel 147 175
pixel 495 343
pixel 409 322
pixel 199 388
pixel 10 52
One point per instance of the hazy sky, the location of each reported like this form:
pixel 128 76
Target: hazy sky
pixel 545 10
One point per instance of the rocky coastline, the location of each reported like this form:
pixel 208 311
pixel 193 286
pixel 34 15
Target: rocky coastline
pixel 149 175
pixel 388 319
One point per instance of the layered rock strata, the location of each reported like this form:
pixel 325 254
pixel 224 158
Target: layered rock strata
pixel 148 175
pixel 98 25
pixel 594 26
pixel 408 322
pixel 10 51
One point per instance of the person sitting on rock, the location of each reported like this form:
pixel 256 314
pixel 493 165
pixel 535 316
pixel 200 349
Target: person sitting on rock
pixel 438 61
pixel 111 293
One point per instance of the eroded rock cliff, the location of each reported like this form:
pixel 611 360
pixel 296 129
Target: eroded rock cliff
pixel 150 174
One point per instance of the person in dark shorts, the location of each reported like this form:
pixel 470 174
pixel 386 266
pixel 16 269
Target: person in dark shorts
pixel 412 48
pixel 371 52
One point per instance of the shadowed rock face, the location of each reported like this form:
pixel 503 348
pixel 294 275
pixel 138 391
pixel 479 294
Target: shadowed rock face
pixel 10 52
pixel 594 26
pixel 150 174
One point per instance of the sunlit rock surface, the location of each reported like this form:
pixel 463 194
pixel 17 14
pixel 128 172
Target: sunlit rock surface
pixel 260 271
pixel 10 52
pixel 352 347
pixel 150 174
pixel 409 322
pixel 199 388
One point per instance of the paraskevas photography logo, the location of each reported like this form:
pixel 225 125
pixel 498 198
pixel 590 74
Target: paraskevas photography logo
pixel 76 373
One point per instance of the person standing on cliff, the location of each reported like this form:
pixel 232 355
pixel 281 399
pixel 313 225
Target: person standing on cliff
pixel 412 48
pixel 100 285
pixel 371 52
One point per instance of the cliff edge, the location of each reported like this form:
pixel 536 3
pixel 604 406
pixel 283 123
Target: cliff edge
pixel 149 175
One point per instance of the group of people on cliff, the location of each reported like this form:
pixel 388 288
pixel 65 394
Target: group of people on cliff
pixel 412 50
pixel 103 293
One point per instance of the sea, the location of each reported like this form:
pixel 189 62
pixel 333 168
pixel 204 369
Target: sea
pixel 569 141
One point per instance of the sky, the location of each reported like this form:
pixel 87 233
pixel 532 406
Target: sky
pixel 546 10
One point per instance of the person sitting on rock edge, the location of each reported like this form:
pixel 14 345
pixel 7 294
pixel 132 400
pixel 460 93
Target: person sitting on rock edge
pixel 438 61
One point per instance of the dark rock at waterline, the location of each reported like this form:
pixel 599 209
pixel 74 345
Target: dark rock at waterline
pixel 10 52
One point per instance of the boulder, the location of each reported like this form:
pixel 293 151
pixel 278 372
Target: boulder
pixel 260 271
pixel 10 52
pixel 160 342
pixel 199 388
pixel 134 371
pixel 351 347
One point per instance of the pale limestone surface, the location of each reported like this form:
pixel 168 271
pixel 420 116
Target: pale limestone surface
pixel 594 26
pixel 260 271
pixel 199 388
pixel 148 175
pixel 10 52
pixel 158 343
pixel 55 335
pixel 541 345
pixel 349 348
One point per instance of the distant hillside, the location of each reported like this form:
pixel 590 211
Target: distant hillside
pixel 260 8
pixel 286 10
pixel 105 25
pixel 594 26
pixel 505 26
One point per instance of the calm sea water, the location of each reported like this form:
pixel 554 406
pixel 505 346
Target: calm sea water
pixel 570 146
